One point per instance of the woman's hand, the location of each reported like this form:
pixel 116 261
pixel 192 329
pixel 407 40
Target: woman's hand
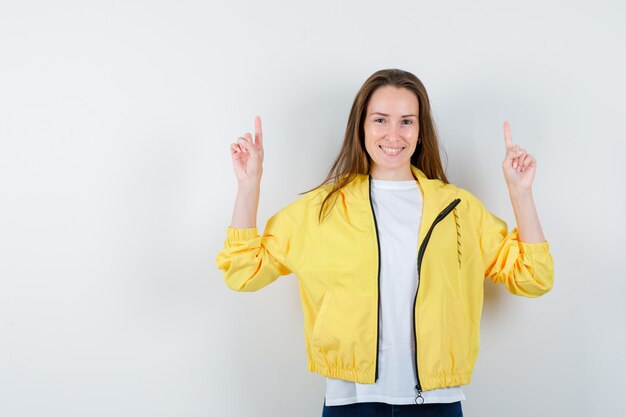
pixel 518 166
pixel 248 164
pixel 248 156
pixel 519 172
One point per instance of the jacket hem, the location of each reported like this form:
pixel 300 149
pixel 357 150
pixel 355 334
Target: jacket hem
pixel 445 381
pixel 362 377
pixel 367 377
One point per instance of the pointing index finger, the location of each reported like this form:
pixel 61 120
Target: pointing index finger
pixel 258 132
pixel 508 141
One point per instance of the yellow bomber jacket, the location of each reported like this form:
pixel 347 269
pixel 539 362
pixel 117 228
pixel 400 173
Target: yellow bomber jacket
pixel 337 266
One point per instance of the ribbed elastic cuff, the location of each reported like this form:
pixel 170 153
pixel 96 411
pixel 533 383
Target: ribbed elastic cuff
pixel 243 234
pixel 535 247
pixel 530 247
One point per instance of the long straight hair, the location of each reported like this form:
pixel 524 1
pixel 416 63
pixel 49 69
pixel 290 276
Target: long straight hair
pixel 353 158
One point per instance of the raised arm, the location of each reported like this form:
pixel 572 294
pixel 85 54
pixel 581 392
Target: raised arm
pixel 250 261
pixel 519 172
pixel 247 159
pixel 519 259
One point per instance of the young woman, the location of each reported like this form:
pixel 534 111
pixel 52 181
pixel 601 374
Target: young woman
pixel 390 257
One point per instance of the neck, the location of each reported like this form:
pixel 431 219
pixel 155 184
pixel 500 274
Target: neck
pixel 400 174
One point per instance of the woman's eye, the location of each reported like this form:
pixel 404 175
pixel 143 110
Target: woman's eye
pixel 408 122
pixel 379 120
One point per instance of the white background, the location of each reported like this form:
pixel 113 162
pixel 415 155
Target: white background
pixel 116 188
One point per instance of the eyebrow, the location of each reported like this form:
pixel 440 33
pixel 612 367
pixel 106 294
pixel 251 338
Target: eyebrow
pixel 383 114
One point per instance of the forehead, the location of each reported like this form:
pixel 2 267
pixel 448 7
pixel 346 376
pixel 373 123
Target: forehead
pixel 392 100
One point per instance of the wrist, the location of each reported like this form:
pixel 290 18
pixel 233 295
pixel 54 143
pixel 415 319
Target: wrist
pixel 520 192
pixel 249 185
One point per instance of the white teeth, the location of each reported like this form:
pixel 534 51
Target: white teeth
pixel 391 151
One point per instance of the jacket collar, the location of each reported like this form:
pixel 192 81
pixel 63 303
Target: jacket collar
pixel 430 188
pixel 436 195
pixel 434 192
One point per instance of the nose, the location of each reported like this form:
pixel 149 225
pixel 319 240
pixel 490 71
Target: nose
pixel 393 132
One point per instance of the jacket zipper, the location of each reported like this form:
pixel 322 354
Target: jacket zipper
pixel 378 279
pixel 420 255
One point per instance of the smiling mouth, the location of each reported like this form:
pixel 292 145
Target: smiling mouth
pixel 390 150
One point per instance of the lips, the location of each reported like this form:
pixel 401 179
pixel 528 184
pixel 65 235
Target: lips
pixel 391 150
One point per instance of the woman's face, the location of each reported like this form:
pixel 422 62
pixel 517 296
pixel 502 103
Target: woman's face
pixel 391 130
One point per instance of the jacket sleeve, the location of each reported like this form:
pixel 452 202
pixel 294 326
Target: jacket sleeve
pixel 524 268
pixel 249 261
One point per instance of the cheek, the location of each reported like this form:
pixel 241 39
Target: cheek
pixel 411 131
pixel 370 145
pixel 412 136
pixel 370 137
pixel 370 134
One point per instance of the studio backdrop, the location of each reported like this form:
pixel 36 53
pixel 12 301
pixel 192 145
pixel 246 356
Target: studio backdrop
pixel 116 189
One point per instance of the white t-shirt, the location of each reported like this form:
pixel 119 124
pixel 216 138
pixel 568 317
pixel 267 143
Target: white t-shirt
pixel 398 209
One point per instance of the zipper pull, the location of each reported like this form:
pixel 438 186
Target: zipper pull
pixel 419 399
